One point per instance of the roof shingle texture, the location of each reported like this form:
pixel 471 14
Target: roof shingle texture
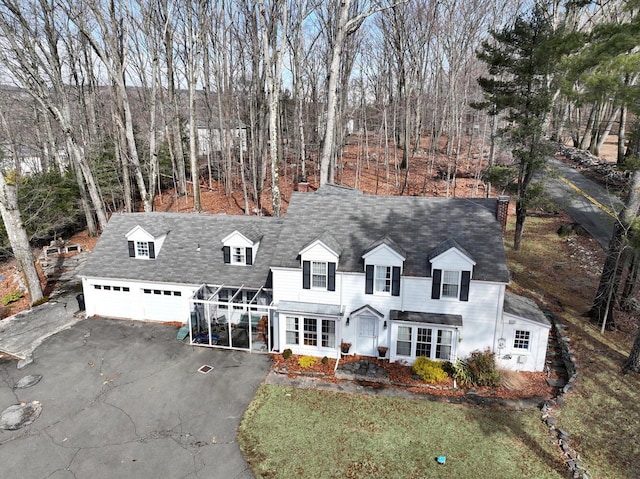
pixel 416 224
pixel 179 260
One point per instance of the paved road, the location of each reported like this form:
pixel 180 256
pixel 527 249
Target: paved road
pixel 124 399
pixel 587 202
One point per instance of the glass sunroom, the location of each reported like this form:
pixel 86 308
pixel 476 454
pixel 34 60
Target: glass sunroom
pixel 232 318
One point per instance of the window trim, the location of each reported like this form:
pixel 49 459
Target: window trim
pixel 324 275
pixel 457 284
pixel 308 337
pixel 238 255
pixel 388 279
pixel 522 340
pixel 434 345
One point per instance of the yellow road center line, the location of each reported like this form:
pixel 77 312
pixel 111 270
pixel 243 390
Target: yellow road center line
pixel 604 208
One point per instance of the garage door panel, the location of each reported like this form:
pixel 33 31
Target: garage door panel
pixel 163 305
pixel 112 301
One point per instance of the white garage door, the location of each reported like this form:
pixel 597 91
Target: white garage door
pixel 164 305
pixel 112 301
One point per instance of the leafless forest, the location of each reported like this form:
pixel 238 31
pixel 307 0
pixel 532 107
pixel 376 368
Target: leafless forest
pixel 137 98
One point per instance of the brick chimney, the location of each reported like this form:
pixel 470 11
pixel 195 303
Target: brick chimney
pixel 502 211
pixel 303 185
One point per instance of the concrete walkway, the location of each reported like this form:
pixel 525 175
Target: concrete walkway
pixel 22 333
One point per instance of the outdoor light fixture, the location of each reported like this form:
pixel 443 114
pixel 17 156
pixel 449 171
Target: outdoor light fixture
pixel 347 324
pixel 384 325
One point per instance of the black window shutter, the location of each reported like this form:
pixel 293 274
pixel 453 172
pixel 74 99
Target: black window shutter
pixel 226 252
pixel 331 277
pixel 395 281
pixel 464 288
pixel 435 287
pixel 132 249
pixel 306 275
pixel 152 250
pixel 249 256
pixel 368 281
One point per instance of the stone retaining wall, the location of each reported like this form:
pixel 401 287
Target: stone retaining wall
pixel 572 458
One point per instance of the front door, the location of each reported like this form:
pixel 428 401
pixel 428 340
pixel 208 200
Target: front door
pixel 367 335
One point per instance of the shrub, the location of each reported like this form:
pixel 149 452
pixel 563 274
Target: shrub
pixel 482 368
pixel 12 297
pixel 307 361
pixel 460 372
pixel 430 371
pixel 325 360
pixel 286 354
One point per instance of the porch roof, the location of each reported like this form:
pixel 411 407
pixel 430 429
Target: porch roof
pixel 427 318
pixel 309 308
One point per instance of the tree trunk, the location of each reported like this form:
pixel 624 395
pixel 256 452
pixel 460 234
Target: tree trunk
pixel 18 239
pixel 633 361
pixel 622 135
pixel 606 296
pixel 630 280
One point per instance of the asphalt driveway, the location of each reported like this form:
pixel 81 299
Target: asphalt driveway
pixel 125 399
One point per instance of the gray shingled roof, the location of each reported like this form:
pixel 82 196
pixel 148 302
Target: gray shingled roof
pixel 524 308
pixel 417 224
pixel 388 242
pixel 179 261
pixel 445 246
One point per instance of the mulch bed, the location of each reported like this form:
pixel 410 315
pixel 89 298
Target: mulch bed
pixel 521 385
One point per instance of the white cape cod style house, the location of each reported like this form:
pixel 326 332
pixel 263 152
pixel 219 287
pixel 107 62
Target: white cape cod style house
pixel 421 276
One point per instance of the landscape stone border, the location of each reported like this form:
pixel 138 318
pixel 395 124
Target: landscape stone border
pixel 572 458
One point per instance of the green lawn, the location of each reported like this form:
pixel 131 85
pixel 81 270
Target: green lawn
pixel 602 413
pixel 288 432
pixel 293 433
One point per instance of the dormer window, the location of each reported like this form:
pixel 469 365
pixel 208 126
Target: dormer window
pixel 143 244
pixel 142 249
pixel 382 280
pixel 318 275
pixel 238 256
pixel 450 284
pixel 239 248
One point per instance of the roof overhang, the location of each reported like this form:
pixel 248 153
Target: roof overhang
pixel 454 320
pixel 296 307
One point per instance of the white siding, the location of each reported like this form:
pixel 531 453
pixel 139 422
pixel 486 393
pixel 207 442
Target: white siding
pixel 318 252
pixel 383 256
pixel 452 260
pixel 480 315
pixel 135 304
pixel 516 359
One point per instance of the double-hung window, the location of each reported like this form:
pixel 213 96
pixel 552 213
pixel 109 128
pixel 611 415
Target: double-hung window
pixel 443 346
pixel 238 256
pixel 328 333
pixel 403 344
pixel 522 339
pixel 382 279
pixel 293 330
pixel 450 284
pixel 319 275
pixel 423 342
pixel 142 249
